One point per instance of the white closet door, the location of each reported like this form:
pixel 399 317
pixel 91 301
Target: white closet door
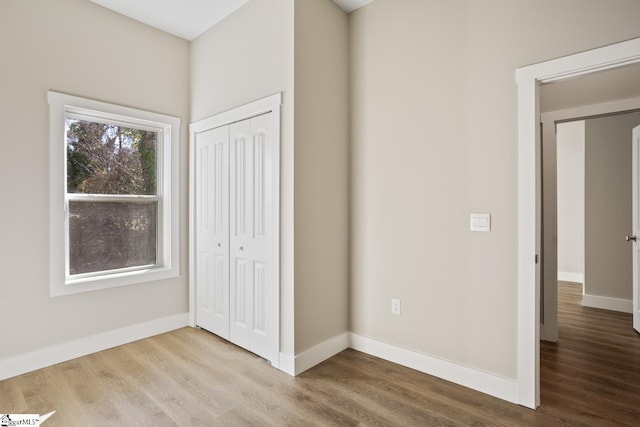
pixel 212 230
pixel 253 299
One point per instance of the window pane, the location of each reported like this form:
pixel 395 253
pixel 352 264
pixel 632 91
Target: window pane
pixel 110 159
pixel 110 235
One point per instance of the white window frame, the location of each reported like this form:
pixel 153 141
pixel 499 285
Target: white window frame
pixel 167 260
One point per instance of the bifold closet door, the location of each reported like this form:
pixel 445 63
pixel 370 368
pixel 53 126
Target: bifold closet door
pixel 236 203
pixel 212 230
pixel 253 293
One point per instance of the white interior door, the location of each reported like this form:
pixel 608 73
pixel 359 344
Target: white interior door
pixel 212 230
pixel 253 288
pixel 636 224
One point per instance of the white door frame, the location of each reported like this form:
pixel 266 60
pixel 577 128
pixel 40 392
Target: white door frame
pixel 529 79
pixel 270 104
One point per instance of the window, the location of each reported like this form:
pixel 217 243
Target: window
pixel 114 210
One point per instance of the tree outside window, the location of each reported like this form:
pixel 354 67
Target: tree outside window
pixel 112 196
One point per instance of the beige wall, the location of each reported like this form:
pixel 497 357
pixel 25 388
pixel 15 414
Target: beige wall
pixel 247 56
pixel 433 112
pixel 321 172
pixel 608 269
pixel 570 196
pixel 76 47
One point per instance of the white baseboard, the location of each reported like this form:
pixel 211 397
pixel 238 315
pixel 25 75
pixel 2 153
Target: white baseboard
pixel 484 382
pixel 287 364
pixel 37 359
pixel 606 303
pixel 321 352
pixel 494 385
pixel 570 277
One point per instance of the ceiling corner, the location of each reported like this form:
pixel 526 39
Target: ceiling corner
pixel 351 5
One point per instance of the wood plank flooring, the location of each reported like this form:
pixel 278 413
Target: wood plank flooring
pixel 189 377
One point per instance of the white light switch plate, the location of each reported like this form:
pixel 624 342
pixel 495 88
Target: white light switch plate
pixel 480 222
pixel 395 306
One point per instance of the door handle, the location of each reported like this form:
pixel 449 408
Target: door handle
pixel 630 238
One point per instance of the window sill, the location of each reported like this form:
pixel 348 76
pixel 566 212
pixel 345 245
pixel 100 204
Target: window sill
pixel 105 281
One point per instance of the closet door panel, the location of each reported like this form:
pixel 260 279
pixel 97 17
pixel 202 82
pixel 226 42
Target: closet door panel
pixel 212 230
pixel 253 292
pixel 241 226
pixel 265 287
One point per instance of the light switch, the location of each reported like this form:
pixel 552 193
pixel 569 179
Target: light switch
pixel 480 222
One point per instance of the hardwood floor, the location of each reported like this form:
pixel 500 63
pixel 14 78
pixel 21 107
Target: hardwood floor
pixel 592 375
pixel 189 377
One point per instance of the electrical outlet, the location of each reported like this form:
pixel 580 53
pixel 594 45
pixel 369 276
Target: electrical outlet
pixel 395 306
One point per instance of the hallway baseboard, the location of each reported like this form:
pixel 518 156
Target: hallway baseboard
pixel 606 303
pixel 565 276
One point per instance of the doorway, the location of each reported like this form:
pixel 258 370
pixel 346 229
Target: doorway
pixel 609 187
pixel 529 79
pixel 597 151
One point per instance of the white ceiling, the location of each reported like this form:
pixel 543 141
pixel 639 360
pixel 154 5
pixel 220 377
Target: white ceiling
pixel 189 18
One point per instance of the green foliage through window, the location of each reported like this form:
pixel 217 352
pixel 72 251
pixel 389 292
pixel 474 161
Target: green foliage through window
pixel 105 158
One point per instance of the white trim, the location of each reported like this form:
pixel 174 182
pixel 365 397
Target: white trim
pixel 243 112
pixel 528 79
pixel 168 225
pixel 565 276
pixel 608 303
pixel 491 384
pixel 287 364
pixel 269 104
pixel 41 358
pixel 321 352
